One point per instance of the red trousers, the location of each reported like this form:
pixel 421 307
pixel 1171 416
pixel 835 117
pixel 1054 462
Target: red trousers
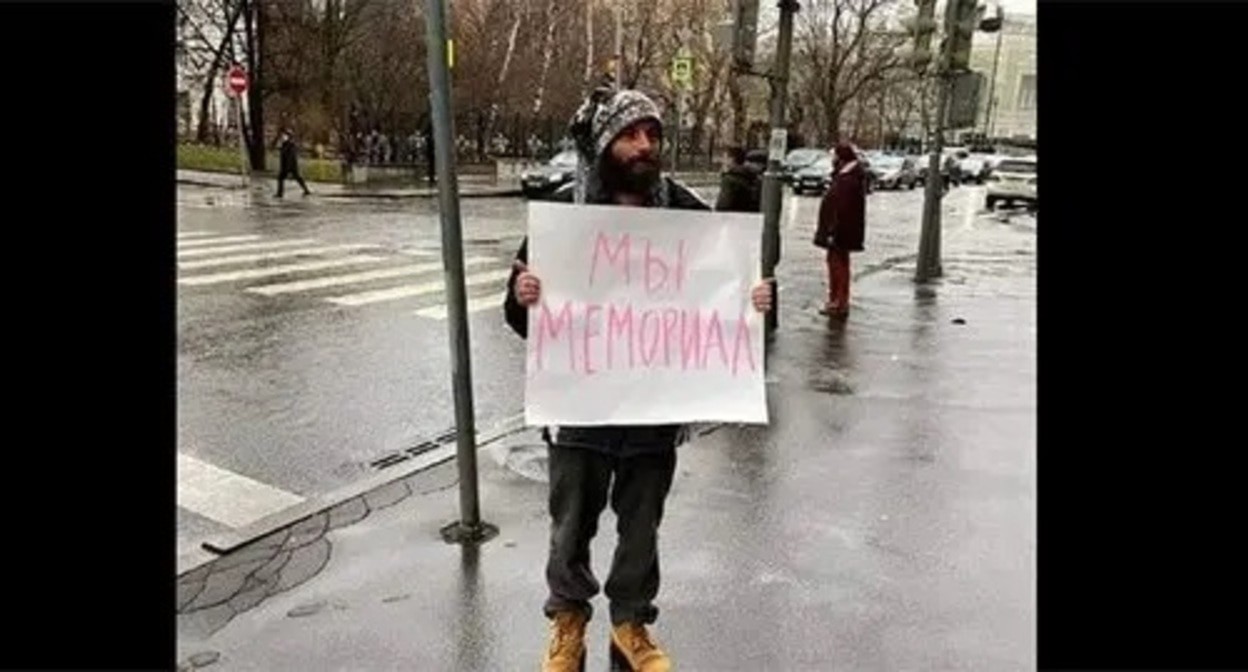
pixel 838 280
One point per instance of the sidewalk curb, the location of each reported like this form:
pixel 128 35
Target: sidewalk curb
pixel 389 195
pixel 222 545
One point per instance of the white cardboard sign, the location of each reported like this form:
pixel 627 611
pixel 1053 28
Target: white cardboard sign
pixel 644 318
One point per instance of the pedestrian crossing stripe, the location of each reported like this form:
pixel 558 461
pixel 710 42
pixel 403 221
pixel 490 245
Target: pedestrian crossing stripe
pixel 201 242
pixel 405 291
pixel 266 256
pixel 474 304
pixel 246 247
pixel 356 278
pixel 207 250
pixel 272 271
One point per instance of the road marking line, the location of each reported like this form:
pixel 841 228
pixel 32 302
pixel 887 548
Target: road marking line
pixel 253 273
pixel 414 290
pixel 968 219
pixel 420 251
pixel 195 234
pixel 247 247
pixel 475 304
pixel 226 497
pixel 353 278
pixel 281 254
pixel 200 242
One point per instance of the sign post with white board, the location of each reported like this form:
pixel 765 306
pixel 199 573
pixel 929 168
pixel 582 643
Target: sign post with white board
pixel 645 317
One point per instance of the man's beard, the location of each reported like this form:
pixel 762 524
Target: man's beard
pixel 634 177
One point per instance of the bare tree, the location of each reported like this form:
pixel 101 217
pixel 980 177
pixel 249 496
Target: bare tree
pixel 842 47
pixel 211 24
pixel 548 52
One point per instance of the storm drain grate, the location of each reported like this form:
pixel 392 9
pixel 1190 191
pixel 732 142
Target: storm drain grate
pixel 419 449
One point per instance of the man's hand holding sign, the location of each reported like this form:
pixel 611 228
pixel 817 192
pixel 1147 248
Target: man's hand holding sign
pixel 642 316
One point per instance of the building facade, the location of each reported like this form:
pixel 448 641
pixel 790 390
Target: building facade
pixel 1008 101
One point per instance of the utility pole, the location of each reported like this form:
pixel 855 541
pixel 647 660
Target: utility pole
pixel 772 197
pixel 997 23
pixel 961 19
pixel 469 529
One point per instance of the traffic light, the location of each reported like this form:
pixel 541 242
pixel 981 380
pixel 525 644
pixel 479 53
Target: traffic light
pixel 921 26
pixel 962 17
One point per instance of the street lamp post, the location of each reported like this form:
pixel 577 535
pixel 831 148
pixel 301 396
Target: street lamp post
pixel 772 196
pixel 989 125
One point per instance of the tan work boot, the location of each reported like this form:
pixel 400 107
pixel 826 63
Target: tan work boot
pixel 566 652
pixel 632 649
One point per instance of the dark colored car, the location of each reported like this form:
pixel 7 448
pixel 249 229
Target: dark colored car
pixel 544 180
pixel 814 177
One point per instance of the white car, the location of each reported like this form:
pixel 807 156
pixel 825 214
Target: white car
pixel 1013 181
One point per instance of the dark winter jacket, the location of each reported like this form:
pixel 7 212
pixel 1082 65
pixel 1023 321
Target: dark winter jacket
pixel 615 440
pixel 740 189
pixel 843 211
pixel 290 157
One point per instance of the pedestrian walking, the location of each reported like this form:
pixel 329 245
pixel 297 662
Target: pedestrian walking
pixel 289 164
pixel 629 466
pixel 842 225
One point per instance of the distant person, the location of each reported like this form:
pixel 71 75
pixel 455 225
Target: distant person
pixel 842 225
pixel 741 183
pixel 289 166
pixel 431 165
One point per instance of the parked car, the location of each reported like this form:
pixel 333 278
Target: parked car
pixel 799 159
pixel 892 171
pixel 1013 180
pixel 814 177
pixel 974 168
pixel 544 180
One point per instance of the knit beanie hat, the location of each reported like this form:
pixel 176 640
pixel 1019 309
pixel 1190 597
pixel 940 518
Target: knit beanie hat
pixel 622 110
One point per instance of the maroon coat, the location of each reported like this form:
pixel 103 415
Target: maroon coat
pixel 843 212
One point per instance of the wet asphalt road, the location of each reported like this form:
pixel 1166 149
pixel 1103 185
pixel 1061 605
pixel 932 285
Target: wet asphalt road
pixel 302 388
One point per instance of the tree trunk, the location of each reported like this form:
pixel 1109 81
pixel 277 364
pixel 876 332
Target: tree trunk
pixel 502 78
pixel 548 52
pixel 832 127
pixel 589 41
pixel 856 130
pixel 739 121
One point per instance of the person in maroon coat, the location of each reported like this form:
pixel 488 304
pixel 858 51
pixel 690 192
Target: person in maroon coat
pixel 842 225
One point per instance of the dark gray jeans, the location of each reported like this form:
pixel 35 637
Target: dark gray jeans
pixel 580 484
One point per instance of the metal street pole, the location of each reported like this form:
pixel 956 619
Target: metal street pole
pixel 469 529
pixel 772 197
pixel 989 125
pixel 928 265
